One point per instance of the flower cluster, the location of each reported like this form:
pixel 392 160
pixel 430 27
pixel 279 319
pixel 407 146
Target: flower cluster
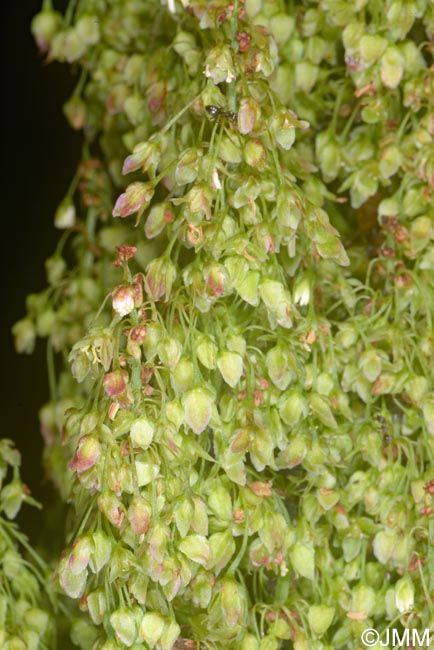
pixel 250 409
pixel 26 605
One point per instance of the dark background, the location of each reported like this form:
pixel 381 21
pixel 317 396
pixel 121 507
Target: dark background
pixel 40 153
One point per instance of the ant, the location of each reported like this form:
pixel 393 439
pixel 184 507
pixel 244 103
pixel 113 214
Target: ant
pixel 384 428
pixel 218 113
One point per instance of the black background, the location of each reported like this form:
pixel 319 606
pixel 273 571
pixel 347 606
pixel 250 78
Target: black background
pixel 40 153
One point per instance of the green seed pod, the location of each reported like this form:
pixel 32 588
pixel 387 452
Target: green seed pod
pixel 416 388
pixel 236 343
pixel 328 155
pixel 272 293
pixel 183 516
pixel 87 454
pixel 222 547
pixel 124 626
pixel 275 533
pixel 229 152
pixel 175 416
pixel 248 115
pixel 133 69
pixel 372 47
pixel 182 376
pixel 24 335
pixel 294 453
pixel 79 557
pixel 219 65
pixel 145 472
pixel 201 590
pixel 384 545
pixel 292 408
pixel 169 351
pixel 279 368
pixel 136 198
pixel 328 499
pixel 230 365
pixel 321 409
pixel 197 404
pixel 400 17
pixel 44 26
pixel 75 112
pixel 325 384
pixel 363 599
pixel 247 288
pixel 199 521
pixel 233 603
pixel 145 156
pixel 196 548
pixel 142 433
pixel 170 634
pixel 404 594
pixel 391 160
pixel 385 384
pixel 370 364
pixel 87 27
pixel 261 450
pixel 110 645
pixel 220 504
pixel 282 127
pixel 414 202
pixel 65 216
pixel 372 449
pixel 281 629
pixel 71 426
pixel 303 560
pixel 83 633
pixel 101 551
pixel 72 584
pixel 428 412
pixel 306 75
pixel 269 642
pixel 135 109
pixel 281 27
pixel 160 276
pixel 356 487
pixel 216 279
pixel 12 497
pixel 38 620
pixel 139 515
pixel 254 154
pixel 247 192
pixel 414 60
pixel 96 602
pixel 250 642
pixel 198 202
pixel 421 232
pixel 188 165
pixel 111 507
pixel 392 67
pixel 184 44
pixel 320 618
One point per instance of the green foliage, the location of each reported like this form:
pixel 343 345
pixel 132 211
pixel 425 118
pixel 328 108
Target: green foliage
pixel 244 395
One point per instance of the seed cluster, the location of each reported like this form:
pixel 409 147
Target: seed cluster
pixel 249 325
pixel 27 603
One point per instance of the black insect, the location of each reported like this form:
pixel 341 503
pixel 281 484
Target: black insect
pixel 218 113
pixel 384 429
